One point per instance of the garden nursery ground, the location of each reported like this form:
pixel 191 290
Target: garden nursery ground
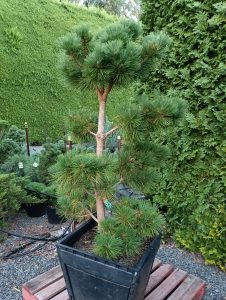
pixel 15 272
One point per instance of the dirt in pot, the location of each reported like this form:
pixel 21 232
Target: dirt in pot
pixel 86 244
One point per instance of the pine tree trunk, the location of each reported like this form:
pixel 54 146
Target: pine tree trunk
pixel 100 138
pixel 100 142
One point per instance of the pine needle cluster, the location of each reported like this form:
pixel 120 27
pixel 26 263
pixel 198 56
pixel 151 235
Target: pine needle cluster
pixel 115 55
pixel 80 123
pixel 141 156
pixel 133 221
pixel 79 176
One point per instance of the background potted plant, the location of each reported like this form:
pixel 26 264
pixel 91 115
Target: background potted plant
pixel 53 214
pixel 115 56
pixel 12 195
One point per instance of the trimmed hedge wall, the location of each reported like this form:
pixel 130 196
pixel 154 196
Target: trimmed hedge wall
pixel 194 187
pixel 30 89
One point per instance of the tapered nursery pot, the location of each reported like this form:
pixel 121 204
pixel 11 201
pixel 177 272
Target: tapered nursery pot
pixel 89 277
pixel 35 210
pixel 52 215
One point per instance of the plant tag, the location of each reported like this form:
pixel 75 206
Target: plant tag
pixel 108 204
pixel 20 165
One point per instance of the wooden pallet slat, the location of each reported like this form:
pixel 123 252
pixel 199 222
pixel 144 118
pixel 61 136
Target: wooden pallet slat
pixel 27 295
pixel 157 277
pixel 167 286
pixel 157 263
pixel 43 280
pixel 51 290
pixel 164 283
pixel 192 288
pixel 62 296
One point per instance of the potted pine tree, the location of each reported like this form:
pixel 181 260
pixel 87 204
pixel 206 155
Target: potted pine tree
pixel 111 257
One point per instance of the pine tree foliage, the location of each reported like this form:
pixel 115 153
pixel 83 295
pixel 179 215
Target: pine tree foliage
pixel 132 221
pixel 141 157
pixel 114 56
pixel 80 123
pixel 79 176
pixel 108 246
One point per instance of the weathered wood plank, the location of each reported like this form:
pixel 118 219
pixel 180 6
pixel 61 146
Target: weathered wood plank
pixel 192 288
pixel 62 296
pixel 43 280
pixel 157 277
pixel 167 286
pixel 163 282
pixel 156 264
pixel 27 295
pixel 51 290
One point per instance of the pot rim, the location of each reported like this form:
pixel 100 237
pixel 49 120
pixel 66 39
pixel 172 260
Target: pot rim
pixel 134 269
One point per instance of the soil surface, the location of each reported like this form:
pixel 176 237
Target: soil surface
pixel 86 243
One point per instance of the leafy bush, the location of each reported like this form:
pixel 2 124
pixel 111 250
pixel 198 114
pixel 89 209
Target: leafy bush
pixel 11 164
pixel 11 143
pixel 12 195
pixel 35 186
pixel 194 185
pixel 30 89
pixel 47 158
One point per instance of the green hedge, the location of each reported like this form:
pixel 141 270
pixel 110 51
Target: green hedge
pixel 194 186
pixel 30 89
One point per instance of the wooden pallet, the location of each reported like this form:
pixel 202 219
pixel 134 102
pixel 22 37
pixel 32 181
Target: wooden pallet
pixel 165 282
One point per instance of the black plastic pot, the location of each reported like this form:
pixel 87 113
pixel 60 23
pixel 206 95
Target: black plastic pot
pixel 35 210
pixel 89 277
pixel 52 216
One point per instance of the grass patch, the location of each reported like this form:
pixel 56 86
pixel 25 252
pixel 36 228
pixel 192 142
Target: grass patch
pixel 30 89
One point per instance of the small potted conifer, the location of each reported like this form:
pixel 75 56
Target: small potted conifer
pixel 110 257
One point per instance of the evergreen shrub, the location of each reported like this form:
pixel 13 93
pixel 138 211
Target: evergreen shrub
pixel 11 142
pixel 193 188
pixel 47 158
pixel 12 195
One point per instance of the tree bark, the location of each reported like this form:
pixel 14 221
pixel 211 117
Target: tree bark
pixel 100 136
pixel 100 142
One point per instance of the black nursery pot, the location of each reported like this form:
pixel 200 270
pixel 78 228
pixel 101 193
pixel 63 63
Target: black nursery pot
pixel 35 210
pixel 89 277
pixel 52 216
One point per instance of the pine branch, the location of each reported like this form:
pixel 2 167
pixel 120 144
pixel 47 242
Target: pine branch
pixel 107 91
pixel 92 216
pixel 100 92
pixel 94 134
pixel 75 59
pixel 111 131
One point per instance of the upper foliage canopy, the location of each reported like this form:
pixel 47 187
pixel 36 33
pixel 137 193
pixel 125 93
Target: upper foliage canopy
pixel 113 57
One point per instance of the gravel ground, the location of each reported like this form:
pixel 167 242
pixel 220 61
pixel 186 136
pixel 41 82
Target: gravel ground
pixel 193 264
pixel 15 272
